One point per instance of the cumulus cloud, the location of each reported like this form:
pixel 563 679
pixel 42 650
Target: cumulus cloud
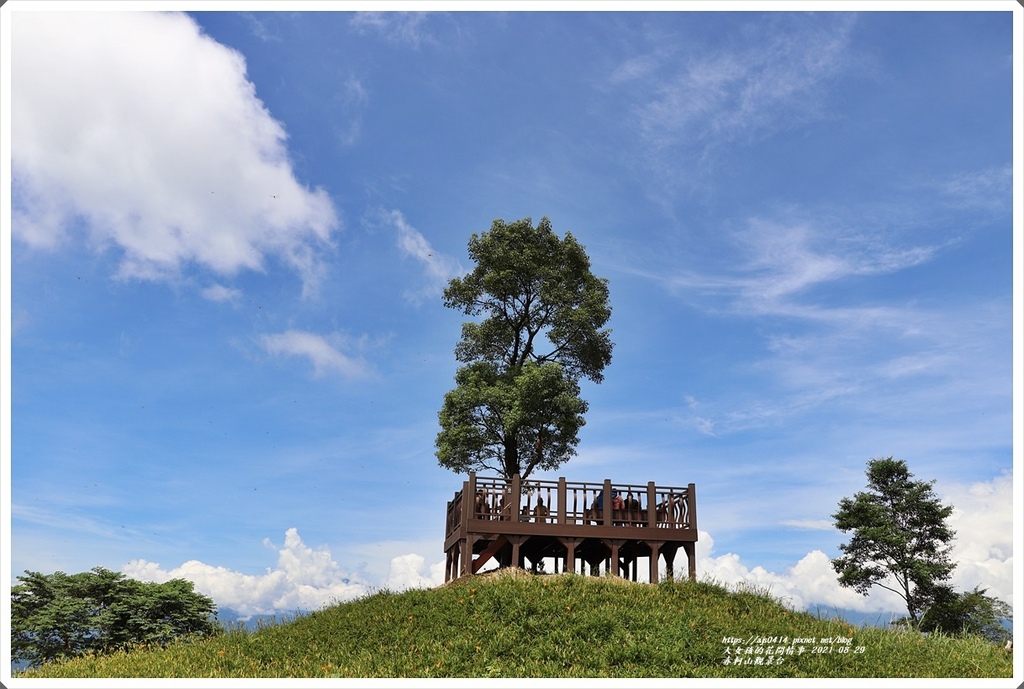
pixel 411 571
pixel 307 579
pixel 134 131
pixel 983 520
pixel 304 579
pixel 322 352
pixel 809 582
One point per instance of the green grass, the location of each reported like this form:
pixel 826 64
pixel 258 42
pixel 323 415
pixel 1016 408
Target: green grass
pixel 517 625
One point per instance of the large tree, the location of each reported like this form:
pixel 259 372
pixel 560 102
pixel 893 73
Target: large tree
pixel 900 537
pixel 542 312
pixel 62 615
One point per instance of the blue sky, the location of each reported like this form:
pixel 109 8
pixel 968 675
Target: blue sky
pixel 229 232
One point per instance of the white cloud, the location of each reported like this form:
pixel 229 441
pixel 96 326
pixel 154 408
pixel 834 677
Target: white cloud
pixel 142 134
pixel 304 579
pixel 983 520
pixel 410 571
pixel 811 524
pixel 307 579
pixel 221 293
pixel 811 581
pixel 438 267
pixel 322 353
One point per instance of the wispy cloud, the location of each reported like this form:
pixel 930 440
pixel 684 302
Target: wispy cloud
pixel 221 293
pixel 323 353
pixel 776 262
pixel 354 96
pixel 399 28
pixel 259 25
pixel 775 78
pixel 988 189
pixel 107 139
pixel 798 280
pixel 438 268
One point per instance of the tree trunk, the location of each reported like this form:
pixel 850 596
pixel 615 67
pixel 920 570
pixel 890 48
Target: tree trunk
pixel 511 459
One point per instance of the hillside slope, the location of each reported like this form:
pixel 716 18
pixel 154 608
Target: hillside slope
pixel 512 624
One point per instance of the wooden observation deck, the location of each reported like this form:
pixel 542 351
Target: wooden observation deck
pixel 516 521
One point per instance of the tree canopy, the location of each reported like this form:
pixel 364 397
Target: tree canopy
pixel 900 537
pixel 516 404
pixel 62 615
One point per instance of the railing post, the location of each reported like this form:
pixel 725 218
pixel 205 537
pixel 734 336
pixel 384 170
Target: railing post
pixel 561 499
pixel 691 505
pixel 471 496
pixel 467 506
pixel 517 497
pixel 652 508
pixel 606 503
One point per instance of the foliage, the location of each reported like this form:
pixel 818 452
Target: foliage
pixel 516 404
pixel 65 615
pixel 513 624
pixel 900 537
pixel 541 403
pixel 971 613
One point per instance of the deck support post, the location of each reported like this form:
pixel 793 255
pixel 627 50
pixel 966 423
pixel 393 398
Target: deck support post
pixel 613 545
pixel 669 553
pixel 689 547
pixel 466 561
pixel 655 547
pixel 570 553
pixel 517 557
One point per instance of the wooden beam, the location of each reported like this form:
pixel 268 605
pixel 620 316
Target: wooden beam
pixel 489 552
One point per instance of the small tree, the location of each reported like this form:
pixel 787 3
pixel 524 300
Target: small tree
pixel 972 613
pixel 516 404
pixel 900 537
pixel 62 615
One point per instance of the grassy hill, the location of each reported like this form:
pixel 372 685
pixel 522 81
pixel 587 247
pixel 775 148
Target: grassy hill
pixel 513 624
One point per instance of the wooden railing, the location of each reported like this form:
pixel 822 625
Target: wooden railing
pixel 572 503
